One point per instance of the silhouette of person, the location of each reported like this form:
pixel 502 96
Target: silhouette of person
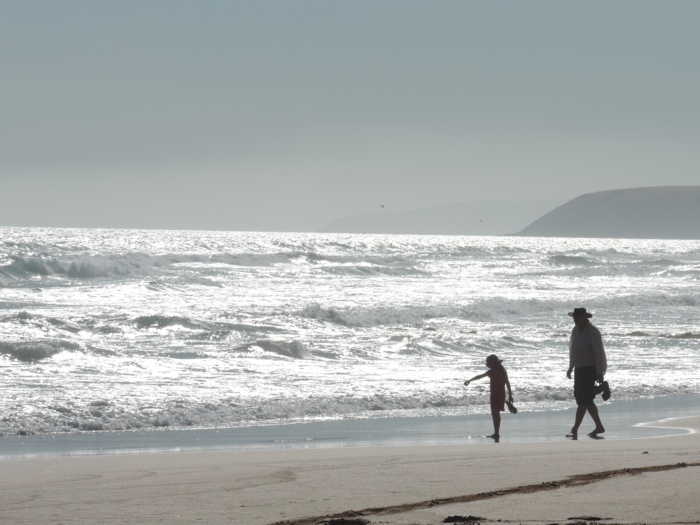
pixel 498 383
pixel 588 362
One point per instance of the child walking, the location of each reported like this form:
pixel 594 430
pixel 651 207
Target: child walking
pixel 499 382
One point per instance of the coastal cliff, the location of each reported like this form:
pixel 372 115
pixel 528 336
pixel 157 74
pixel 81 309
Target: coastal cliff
pixel 668 212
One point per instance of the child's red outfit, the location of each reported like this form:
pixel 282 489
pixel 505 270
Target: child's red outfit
pixel 497 377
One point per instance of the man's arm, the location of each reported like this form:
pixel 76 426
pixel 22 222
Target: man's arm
pixel 601 361
pixel 571 366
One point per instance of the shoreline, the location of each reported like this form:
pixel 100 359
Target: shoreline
pixel 650 481
pixel 624 420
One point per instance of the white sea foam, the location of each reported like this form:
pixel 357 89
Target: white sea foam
pixel 117 330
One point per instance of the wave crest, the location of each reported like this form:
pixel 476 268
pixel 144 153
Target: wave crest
pixel 570 260
pixel 162 321
pixel 294 349
pixel 32 351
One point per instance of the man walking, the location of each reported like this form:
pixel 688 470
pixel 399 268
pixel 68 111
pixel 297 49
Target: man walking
pixel 588 362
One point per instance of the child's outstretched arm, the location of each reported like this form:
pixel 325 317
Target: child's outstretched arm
pixel 475 378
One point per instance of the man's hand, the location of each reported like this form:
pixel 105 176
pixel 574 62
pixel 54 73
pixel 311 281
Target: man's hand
pixel 466 383
pixel 568 373
pixel 600 378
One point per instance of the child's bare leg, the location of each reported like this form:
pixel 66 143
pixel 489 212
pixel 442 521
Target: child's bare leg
pixel 496 416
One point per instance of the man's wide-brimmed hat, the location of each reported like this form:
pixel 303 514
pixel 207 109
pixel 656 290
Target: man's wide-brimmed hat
pixel 580 312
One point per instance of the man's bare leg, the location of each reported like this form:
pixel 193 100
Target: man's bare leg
pixel 593 411
pixel 580 412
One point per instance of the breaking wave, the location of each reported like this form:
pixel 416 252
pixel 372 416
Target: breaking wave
pixel 36 350
pixel 180 413
pixel 294 349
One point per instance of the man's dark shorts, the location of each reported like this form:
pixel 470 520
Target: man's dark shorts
pixel 584 384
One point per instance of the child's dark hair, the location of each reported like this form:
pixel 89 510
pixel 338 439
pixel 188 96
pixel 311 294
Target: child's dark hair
pixel 493 361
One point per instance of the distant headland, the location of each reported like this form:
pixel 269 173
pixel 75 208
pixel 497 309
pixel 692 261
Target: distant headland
pixel 457 218
pixel 665 212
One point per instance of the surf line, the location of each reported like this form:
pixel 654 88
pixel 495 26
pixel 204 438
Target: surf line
pixel 577 480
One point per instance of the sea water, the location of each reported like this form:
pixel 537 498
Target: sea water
pixel 133 329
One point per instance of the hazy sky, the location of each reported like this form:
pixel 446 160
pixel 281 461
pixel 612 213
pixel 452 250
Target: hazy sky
pixel 284 115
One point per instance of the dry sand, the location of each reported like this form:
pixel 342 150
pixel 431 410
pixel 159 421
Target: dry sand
pixel 654 481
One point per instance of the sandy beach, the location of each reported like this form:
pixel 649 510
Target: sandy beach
pixel 649 480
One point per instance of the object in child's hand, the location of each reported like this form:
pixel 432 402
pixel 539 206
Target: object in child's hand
pixel 511 407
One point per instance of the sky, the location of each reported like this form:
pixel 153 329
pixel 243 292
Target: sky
pixel 286 115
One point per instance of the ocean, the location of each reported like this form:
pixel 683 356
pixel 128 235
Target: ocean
pixel 121 330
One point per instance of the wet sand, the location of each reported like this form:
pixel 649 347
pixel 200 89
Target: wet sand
pixel 652 480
